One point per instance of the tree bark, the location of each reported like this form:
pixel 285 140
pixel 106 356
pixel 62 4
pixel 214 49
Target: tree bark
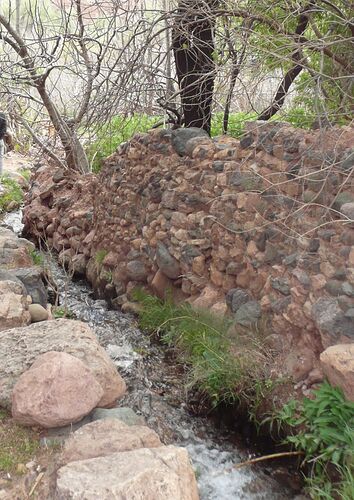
pixel 193 47
pixel 75 155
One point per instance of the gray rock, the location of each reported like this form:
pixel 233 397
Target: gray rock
pixel 348 162
pixel 233 268
pixel 181 136
pixel 348 210
pixel 302 277
pixel 124 414
pixel 31 277
pixel 170 200
pixel 246 141
pixel 290 260
pixel 244 180
pixel 349 313
pixel 348 289
pixel 334 287
pixel 248 313
pixel 280 305
pixel 236 297
pixel 218 166
pixel 281 285
pixel 347 237
pixel 192 143
pixel 331 320
pixel 166 263
pixel 343 198
pixel 340 273
pixel 271 255
pixel 58 176
pixel 136 270
pixel 326 234
pixel 314 245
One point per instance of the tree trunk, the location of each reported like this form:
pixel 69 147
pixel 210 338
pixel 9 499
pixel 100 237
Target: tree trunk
pixel 193 47
pixel 75 155
pixel 293 72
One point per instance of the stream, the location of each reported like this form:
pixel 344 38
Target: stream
pixel 154 391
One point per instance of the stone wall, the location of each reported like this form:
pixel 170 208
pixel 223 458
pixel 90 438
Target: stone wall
pixel 257 228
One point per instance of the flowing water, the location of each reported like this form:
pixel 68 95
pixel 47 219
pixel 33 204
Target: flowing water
pixel 154 391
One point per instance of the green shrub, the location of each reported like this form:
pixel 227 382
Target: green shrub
pixel 63 312
pixel 236 123
pixel 112 134
pixel 201 340
pixel 120 129
pixel 37 257
pixel 324 429
pixel 298 117
pixel 100 255
pixel 26 173
pixel 13 192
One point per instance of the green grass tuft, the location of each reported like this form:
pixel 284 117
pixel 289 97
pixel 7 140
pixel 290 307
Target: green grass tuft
pixel 63 312
pixel 13 192
pixel 110 136
pixel 100 255
pixel 202 341
pixel 26 173
pixel 18 445
pixel 37 257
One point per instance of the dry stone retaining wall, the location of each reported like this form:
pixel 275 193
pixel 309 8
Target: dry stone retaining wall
pixel 256 228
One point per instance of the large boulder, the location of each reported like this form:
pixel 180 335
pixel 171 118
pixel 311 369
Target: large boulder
pixel 19 347
pixel 150 474
pixel 338 365
pixel 57 390
pixel 13 305
pixel 107 436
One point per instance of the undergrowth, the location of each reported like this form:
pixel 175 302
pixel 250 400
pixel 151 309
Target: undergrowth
pixel 63 312
pixel 18 445
pixel 323 430
pixel 100 255
pixel 111 135
pixel 120 129
pixel 13 192
pixel 37 257
pixel 227 372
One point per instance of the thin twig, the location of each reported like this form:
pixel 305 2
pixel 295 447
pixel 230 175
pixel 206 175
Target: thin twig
pixel 268 457
pixel 36 483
